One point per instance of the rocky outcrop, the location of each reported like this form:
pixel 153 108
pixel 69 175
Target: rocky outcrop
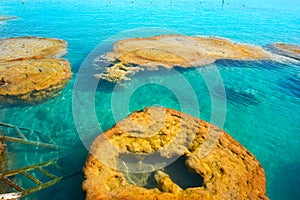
pixel 32 80
pixel 146 141
pixel 135 54
pixel 289 50
pixel 25 48
pixel 31 70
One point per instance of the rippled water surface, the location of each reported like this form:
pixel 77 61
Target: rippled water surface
pixel 262 98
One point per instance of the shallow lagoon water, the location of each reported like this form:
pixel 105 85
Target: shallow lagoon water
pixel 263 103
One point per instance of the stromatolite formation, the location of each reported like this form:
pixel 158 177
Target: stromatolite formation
pixel 31 70
pixel 139 146
pixel 24 48
pixel 289 50
pixel 135 54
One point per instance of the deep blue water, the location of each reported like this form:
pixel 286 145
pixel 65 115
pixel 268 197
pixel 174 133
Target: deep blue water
pixel 262 104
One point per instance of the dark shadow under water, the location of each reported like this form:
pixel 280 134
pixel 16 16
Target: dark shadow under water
pixel 177 171
pixel 237 95
pixel 290 85
pixel 257 64
pixel 286 182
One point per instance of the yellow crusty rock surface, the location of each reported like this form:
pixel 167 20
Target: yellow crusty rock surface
pixel 31 70
pixel 31 47
pixel 173 50
pixel 32 80
pixel 229 171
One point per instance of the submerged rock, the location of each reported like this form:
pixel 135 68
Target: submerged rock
pixel 146 141
pixel 2 18
pixel 30 69
pixel 119 71
pixel 173 51
pixel 289 50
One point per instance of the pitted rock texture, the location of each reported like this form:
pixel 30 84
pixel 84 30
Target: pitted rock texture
pixel 32 80
pixel 31 70
pixel 289 50
pixel 228 170
pixel 135 54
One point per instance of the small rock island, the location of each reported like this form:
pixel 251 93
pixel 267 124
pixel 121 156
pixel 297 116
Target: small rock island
pixel 289 50
pixel 136 54
pixel 136 146
pixel 31 69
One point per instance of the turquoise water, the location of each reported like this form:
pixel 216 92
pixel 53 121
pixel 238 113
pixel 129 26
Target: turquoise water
pixel 262 98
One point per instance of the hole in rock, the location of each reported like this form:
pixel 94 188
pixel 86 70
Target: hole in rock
pixel 182 176
pixel 177 171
